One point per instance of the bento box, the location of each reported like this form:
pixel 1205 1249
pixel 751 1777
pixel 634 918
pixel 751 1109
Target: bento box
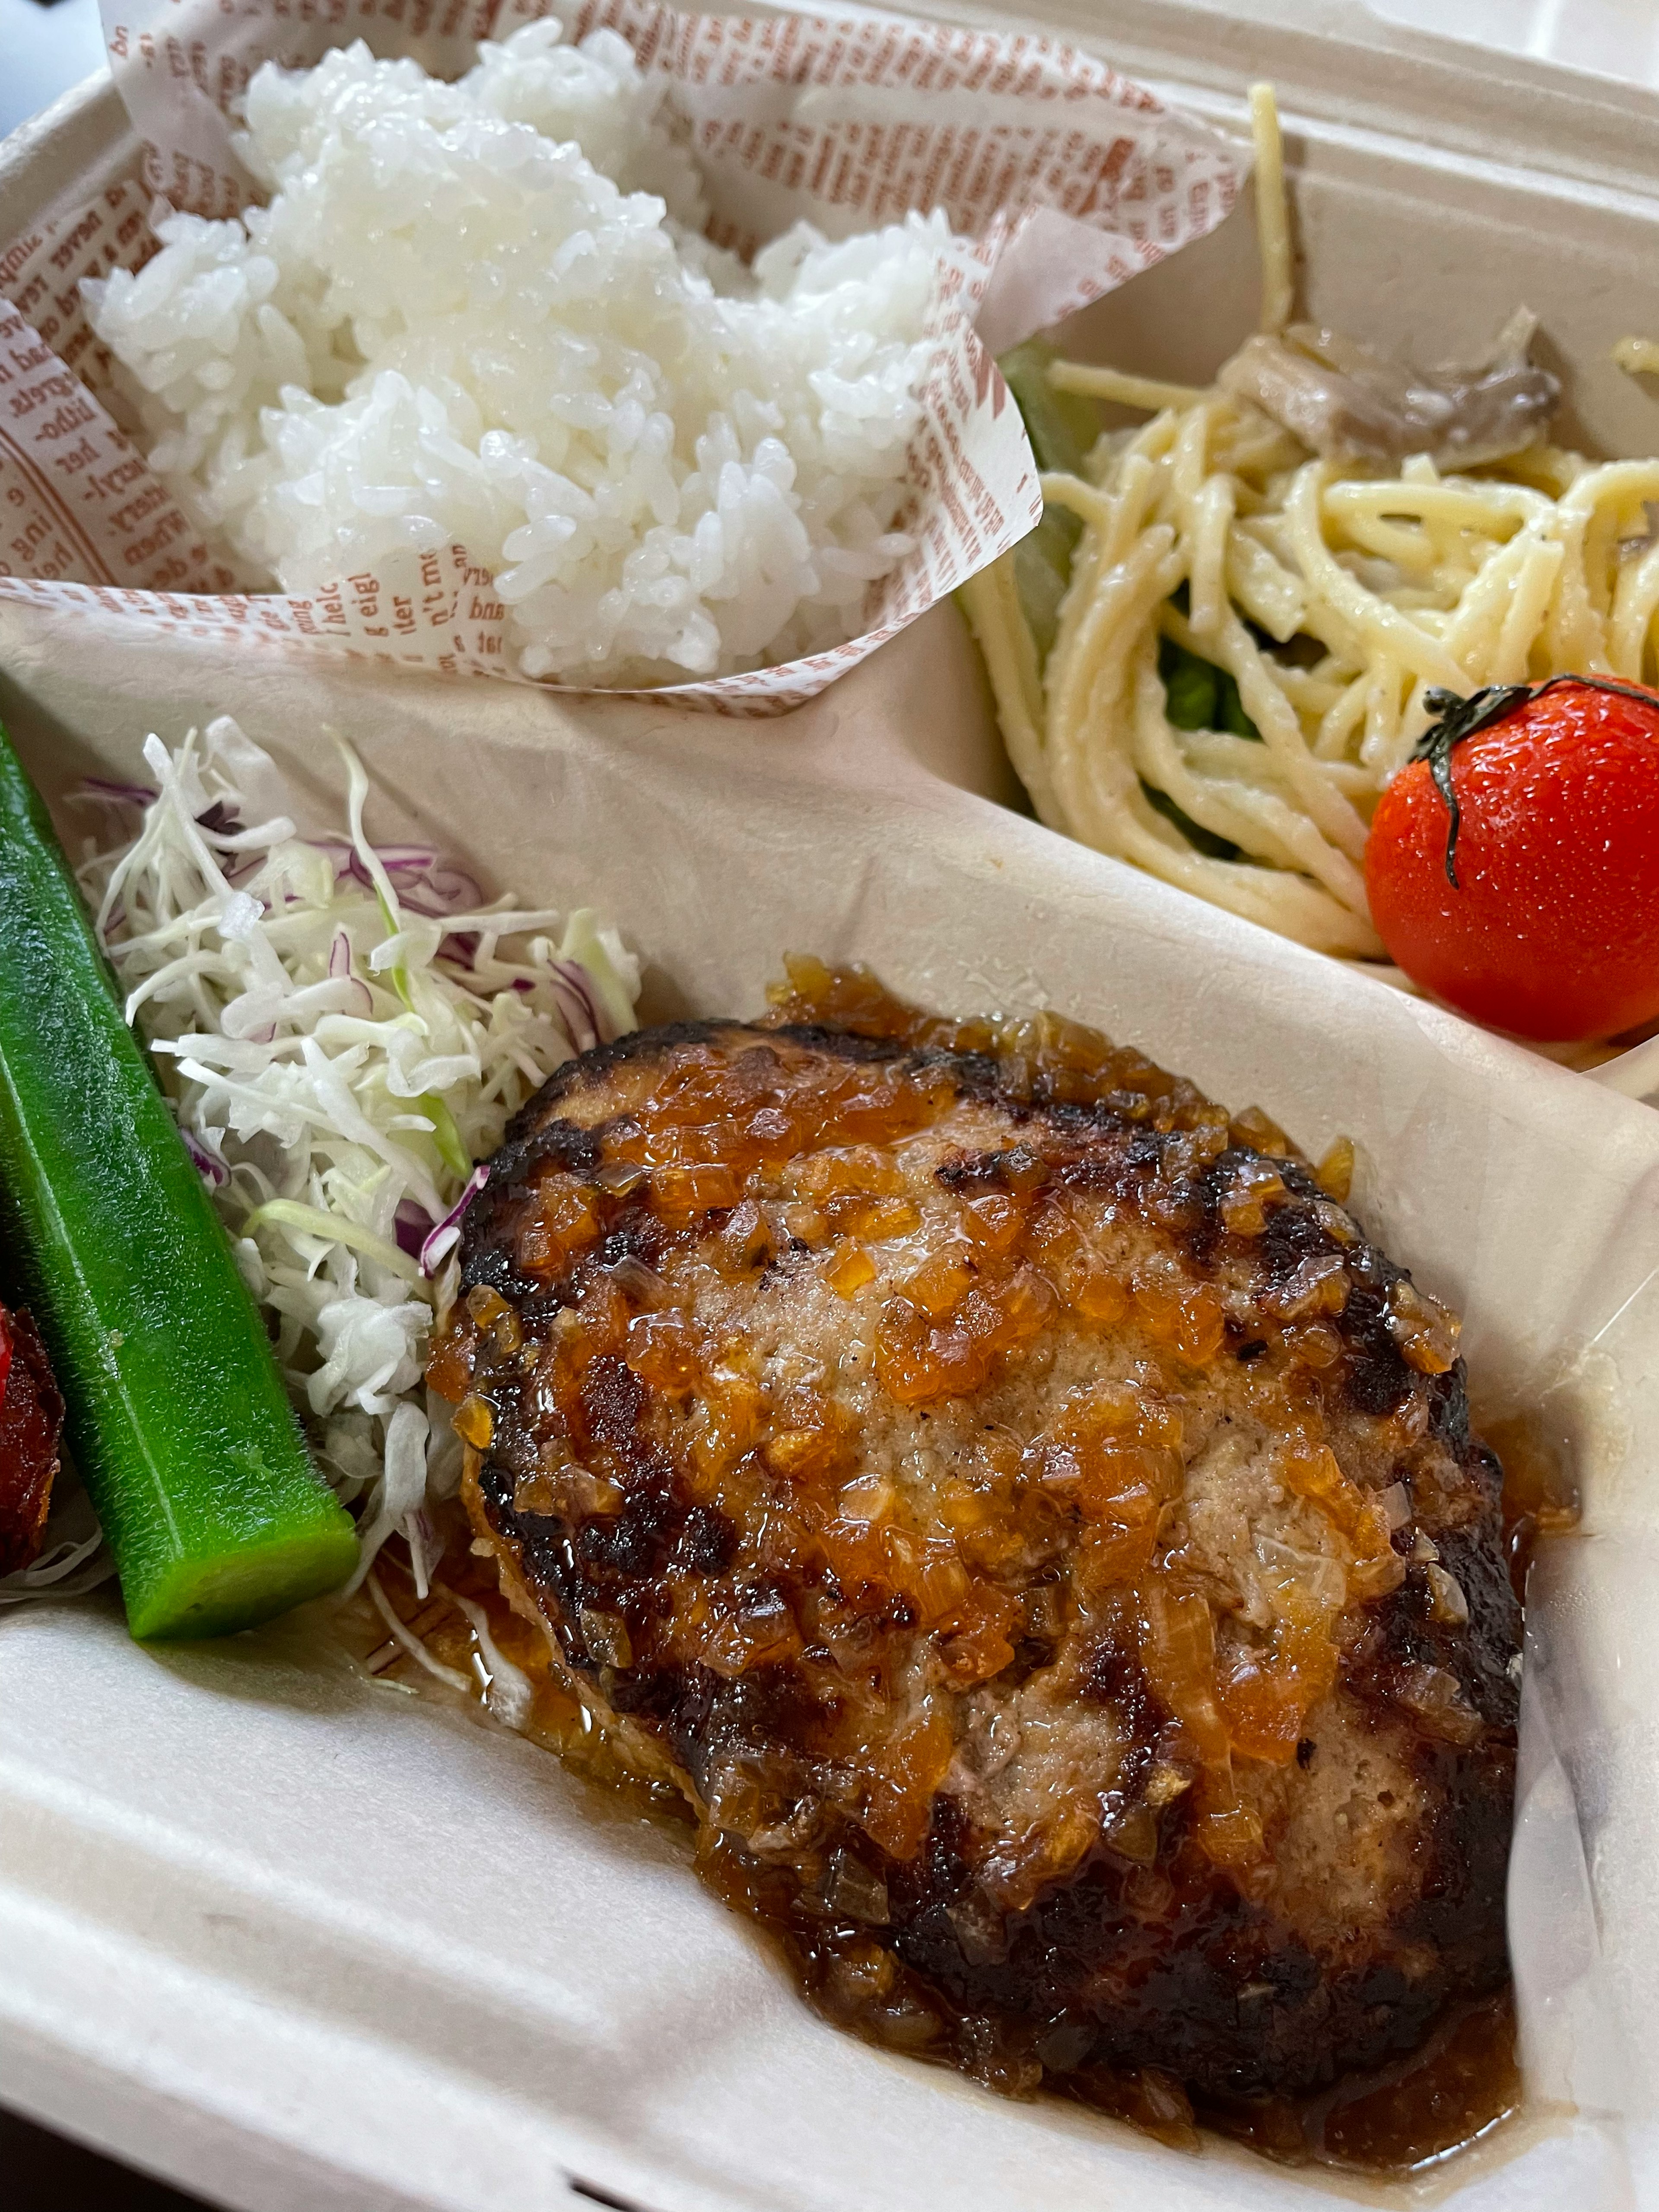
pixel 298 1940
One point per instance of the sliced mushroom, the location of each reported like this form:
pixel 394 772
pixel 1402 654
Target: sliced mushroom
pixel 1352 405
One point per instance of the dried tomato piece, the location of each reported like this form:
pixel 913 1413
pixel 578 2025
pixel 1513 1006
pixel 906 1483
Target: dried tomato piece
pixel 30 1422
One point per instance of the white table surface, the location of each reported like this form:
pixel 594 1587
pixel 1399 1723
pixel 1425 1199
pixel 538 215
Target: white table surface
pixel 43 52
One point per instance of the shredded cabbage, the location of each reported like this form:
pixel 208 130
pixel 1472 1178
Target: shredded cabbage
pixel 73 1558
pixel 342 1031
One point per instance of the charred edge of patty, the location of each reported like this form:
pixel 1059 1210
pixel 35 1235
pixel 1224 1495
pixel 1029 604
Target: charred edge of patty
pixel 590 1068
pixel 1210 1986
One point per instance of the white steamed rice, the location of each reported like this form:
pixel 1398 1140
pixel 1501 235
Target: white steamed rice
pixel 481 313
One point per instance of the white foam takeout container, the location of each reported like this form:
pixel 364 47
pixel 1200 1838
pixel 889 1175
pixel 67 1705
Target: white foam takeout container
pixel 303 1943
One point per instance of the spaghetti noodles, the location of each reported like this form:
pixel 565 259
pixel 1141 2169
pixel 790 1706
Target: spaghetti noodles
pixel 1332 596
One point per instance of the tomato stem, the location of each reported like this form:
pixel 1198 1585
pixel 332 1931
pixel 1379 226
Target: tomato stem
pixel 1457 718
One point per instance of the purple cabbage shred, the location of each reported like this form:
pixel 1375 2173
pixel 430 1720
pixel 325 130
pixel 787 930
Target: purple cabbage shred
pixel 214 1173
pixel 437 1247
pixel 412 1226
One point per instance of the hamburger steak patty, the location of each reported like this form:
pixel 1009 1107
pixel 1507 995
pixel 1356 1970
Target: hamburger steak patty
pixel 1037 1532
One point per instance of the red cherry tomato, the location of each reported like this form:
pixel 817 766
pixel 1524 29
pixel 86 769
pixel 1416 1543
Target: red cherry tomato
pixel 1552 929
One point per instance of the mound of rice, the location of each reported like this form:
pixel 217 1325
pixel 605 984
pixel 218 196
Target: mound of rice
pixel 482 313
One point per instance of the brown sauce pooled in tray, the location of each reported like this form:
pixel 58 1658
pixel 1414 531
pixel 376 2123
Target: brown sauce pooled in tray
pixel 1541 1498
pixel 1410 2114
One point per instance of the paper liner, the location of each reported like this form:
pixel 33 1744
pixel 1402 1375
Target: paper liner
pixel 1070 177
